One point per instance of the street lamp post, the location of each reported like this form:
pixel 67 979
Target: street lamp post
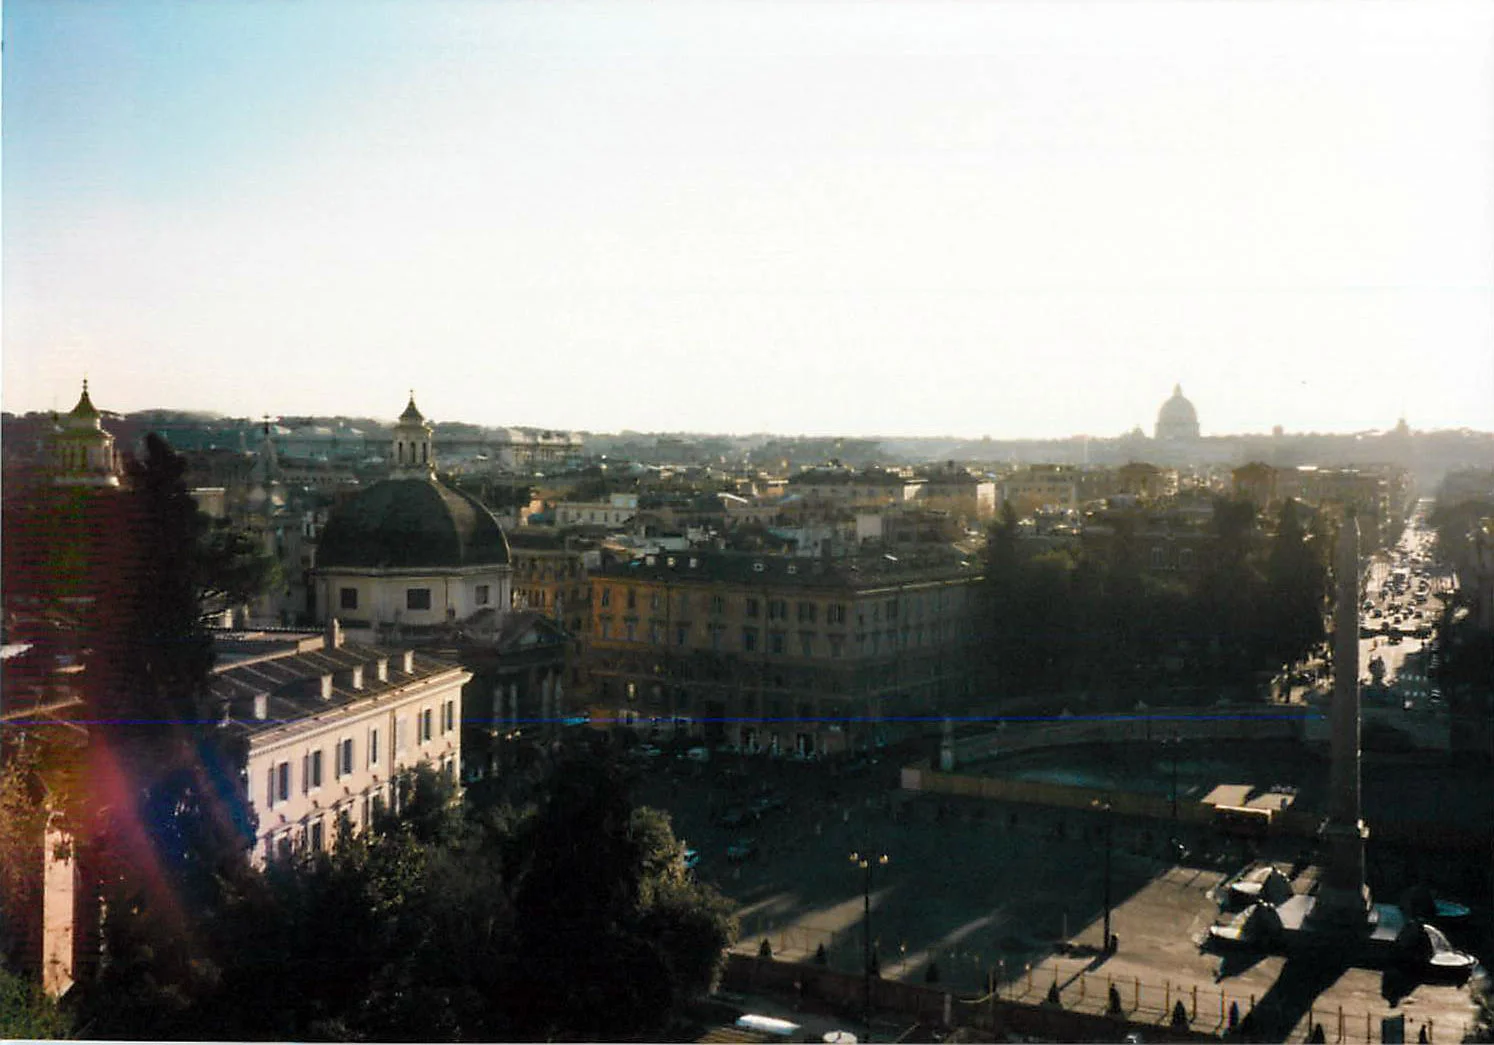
pixel 1103 804
pixel 866 863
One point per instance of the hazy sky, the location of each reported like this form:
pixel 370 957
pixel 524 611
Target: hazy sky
pixel 1004 218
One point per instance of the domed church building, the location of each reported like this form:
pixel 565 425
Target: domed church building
pixel 1177 421
pixel 408 556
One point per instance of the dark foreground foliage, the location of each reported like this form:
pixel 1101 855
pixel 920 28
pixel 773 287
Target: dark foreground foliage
pixel 572 919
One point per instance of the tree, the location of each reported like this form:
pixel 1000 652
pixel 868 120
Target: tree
pixel 168 825
pixel 27 1012
pixel 1296 589
pixel 231 568
pixel 571 920
pixel 573 900
pixel 23 819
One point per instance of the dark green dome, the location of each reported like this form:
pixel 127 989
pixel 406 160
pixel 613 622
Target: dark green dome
pixel 411 524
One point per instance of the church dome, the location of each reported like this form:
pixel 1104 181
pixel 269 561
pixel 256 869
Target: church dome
pixel 1177 419
pixel 411 524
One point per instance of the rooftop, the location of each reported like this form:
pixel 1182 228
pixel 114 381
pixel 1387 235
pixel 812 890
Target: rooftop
pixel 289 676
pixel 863 571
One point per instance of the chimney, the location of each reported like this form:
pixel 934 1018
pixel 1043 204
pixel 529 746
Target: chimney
pixel 261 706
pixel 382 669
pixel 358 676
pixel 334 634
pixel 326 687
pixel 409 662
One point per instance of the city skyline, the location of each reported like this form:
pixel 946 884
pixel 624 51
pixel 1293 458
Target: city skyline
pixel 1016 220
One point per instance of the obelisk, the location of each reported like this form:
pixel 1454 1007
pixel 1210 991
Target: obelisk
pixel 1343 897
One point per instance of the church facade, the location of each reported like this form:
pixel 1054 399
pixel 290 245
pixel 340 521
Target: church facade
pixel 409 556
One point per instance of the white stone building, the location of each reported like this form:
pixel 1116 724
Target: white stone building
pixel 329 725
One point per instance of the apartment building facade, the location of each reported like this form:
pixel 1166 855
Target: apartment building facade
pixel 329 726
pixel 780 653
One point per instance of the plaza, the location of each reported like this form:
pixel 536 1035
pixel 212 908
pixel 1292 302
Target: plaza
pixel 1012 891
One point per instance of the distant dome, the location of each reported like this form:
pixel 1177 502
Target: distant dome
pixel 411 524
pixel 1177 419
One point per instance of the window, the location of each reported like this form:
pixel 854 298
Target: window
pixel 837 646
pixel 314 836
pixel 344 765
pixel 654 634
pixel 685 602
pixel 775 642
pixel 716 630
pixel 751 607
pixel 373 747
pixel 426 720
pixel 777 609
pixel 806 643
pixel 653 600
pixel 313 771
pixel 401 735
pixel 448 716
pixel 835 613
pixel 806 613
pixel 749 639
pixel 632 599
pixel 280 784
pixel 347 598
pixel 606 597
pixel 718 604
pixel 681 634
pixel 892 609
pixel 632 627
pixel 606 626
pixel 481 595
pixel 417 598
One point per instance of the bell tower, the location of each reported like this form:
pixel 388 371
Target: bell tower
pixel 412 455
pixel 82 452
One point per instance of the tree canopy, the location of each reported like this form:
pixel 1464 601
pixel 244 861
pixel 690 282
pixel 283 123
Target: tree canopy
pixel 569 919
pixel 1093 618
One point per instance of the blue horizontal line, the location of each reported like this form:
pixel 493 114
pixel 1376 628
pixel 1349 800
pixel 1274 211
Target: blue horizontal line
pixel 643 718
